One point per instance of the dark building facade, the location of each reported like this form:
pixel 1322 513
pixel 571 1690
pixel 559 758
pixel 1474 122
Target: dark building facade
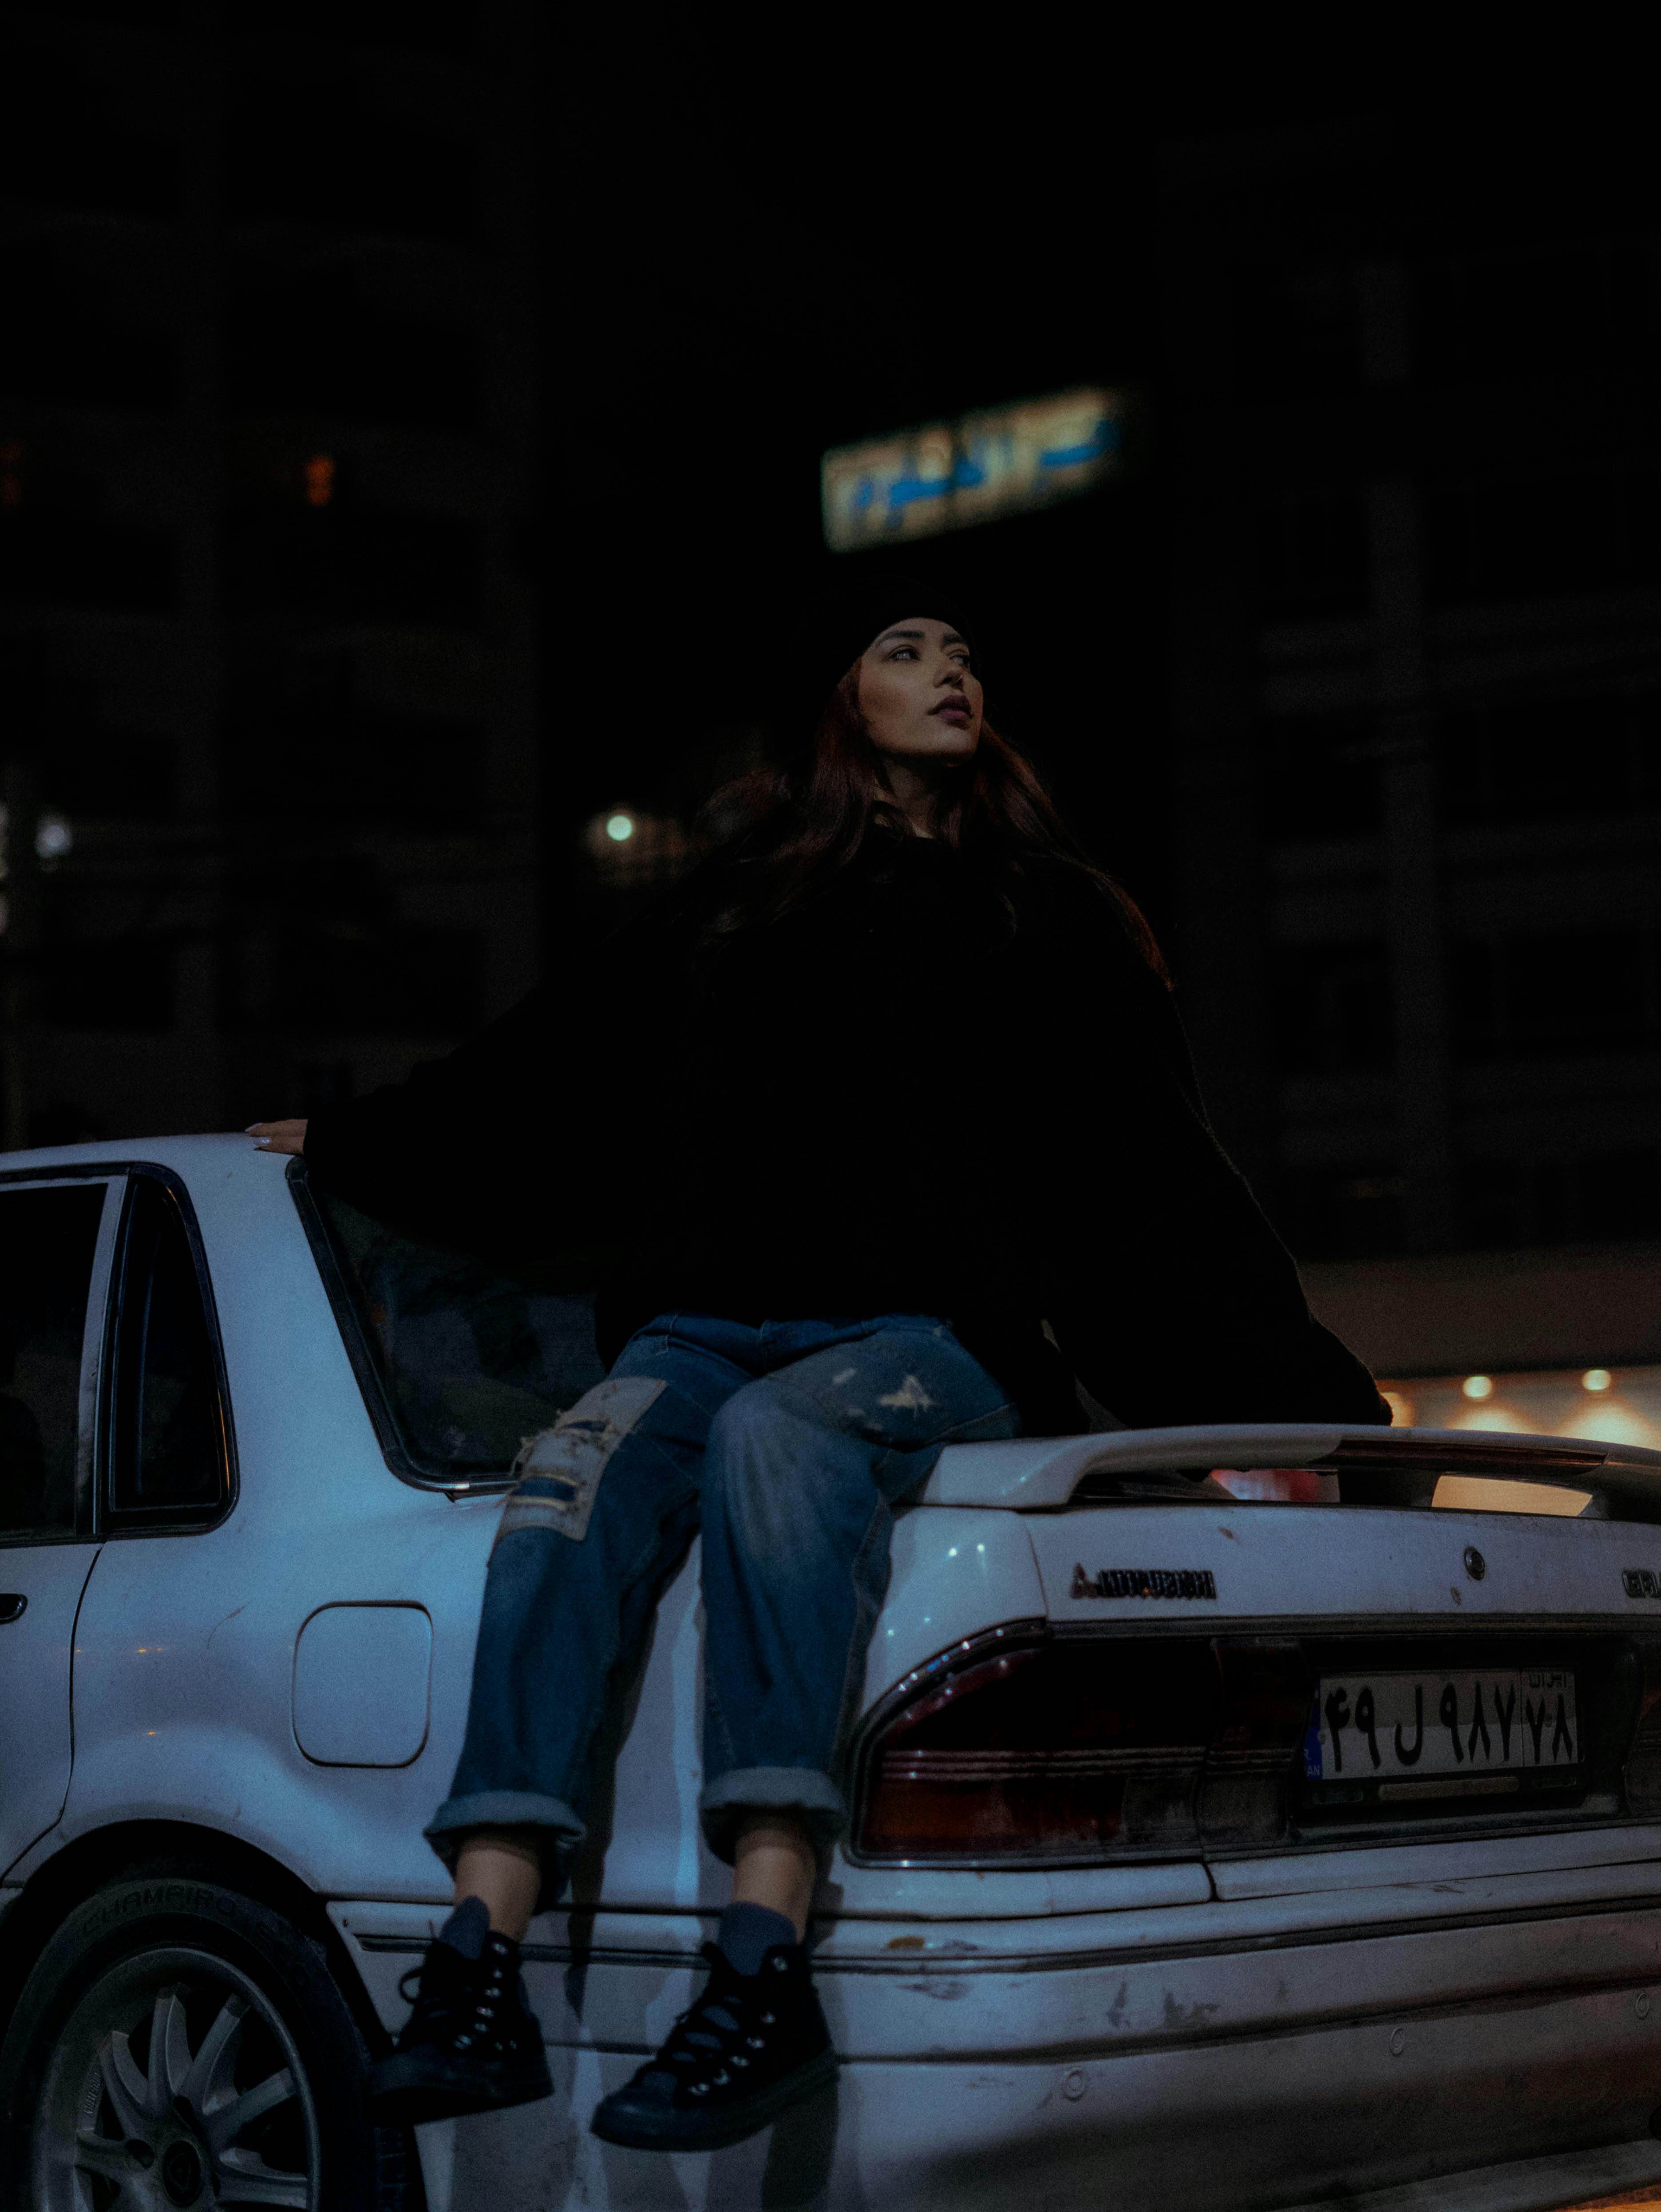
pixel 1415 515
pixel 268 416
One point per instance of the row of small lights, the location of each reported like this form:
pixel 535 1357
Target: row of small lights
pixel 1481 1386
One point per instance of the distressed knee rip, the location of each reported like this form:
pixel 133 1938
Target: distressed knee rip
pixel 909 1398
pixel 558 1471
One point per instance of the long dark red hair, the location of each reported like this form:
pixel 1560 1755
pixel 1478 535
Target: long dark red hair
pixel 790 828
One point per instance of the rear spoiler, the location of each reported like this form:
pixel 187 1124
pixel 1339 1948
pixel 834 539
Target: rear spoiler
pixel 1375 1466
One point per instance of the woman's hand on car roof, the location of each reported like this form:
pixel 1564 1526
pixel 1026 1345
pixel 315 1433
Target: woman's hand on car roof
pixel 278 1136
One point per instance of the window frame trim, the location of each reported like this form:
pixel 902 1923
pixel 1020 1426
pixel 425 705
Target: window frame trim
pixel 94 1346
pixel 366 1368
pixel 99 1524
pixel 113 1523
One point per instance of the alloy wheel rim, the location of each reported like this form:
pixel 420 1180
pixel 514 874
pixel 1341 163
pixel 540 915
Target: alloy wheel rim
pixel 175 2086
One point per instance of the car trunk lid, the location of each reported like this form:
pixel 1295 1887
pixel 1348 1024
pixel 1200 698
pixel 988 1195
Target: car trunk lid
pixel 1231 1677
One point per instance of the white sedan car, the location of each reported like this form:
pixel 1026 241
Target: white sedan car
pixel 1231 1829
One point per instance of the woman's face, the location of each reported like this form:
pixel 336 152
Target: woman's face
pixel 918 696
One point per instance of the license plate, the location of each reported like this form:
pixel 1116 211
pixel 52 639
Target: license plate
pixel 1403 1729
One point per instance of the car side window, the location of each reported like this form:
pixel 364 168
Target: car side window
pixel 48 1243
pixel 168 1461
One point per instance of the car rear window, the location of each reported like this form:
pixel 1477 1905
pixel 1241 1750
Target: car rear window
pixel 460 1364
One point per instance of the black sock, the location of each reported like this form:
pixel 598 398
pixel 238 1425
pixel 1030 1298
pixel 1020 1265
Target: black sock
pixel 466 1929
pixel 748 1932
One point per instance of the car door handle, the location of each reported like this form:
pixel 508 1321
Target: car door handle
pixel 12 1604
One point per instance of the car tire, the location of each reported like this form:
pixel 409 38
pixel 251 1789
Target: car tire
pixel 179 2029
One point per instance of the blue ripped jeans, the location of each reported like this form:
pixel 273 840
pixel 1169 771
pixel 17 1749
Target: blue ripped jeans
pixel 789 1445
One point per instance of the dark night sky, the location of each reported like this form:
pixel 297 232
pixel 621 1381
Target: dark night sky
pixel 734 288
pixel 745 253
pixel 741 274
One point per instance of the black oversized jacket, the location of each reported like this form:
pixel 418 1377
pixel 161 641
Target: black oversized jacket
pixel 899 1098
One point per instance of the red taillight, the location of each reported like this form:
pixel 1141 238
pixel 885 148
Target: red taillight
pixel 1028 1746
pixel 1025 1745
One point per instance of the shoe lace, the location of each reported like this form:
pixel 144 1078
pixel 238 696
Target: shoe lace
pixel 724 2032
pixel 463 2003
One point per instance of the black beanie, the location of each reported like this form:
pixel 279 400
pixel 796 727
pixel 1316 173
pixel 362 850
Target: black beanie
pixel 837 627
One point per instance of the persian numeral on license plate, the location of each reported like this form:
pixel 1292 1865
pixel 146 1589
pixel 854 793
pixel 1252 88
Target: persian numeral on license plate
pixel 1395 1726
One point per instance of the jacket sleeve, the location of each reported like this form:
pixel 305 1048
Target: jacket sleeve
pixel 518 1143
pixel 440 1154
pixel 1168 1290
pixel 526 1140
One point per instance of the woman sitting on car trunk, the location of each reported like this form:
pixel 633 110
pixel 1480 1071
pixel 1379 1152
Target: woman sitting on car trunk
pixel 889 1122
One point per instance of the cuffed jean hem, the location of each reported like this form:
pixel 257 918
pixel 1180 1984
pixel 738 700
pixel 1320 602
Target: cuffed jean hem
pixel 460 1817
pixel 812 1796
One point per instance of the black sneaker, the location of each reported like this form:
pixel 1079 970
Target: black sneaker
pixel 751 2046
pixel 472 2044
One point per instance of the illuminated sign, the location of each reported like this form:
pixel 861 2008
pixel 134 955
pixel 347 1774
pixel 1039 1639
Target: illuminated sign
pixel 1000 460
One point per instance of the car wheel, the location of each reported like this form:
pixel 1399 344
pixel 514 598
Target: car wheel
pixel 180 2044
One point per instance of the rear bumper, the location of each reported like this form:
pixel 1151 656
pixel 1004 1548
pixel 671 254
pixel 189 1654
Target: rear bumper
pixel 1267 2074
pixel 1149 2133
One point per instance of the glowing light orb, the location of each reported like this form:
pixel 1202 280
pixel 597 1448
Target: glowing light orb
pixel 1597 1378
pixel 1478 1386
pixel 620 828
